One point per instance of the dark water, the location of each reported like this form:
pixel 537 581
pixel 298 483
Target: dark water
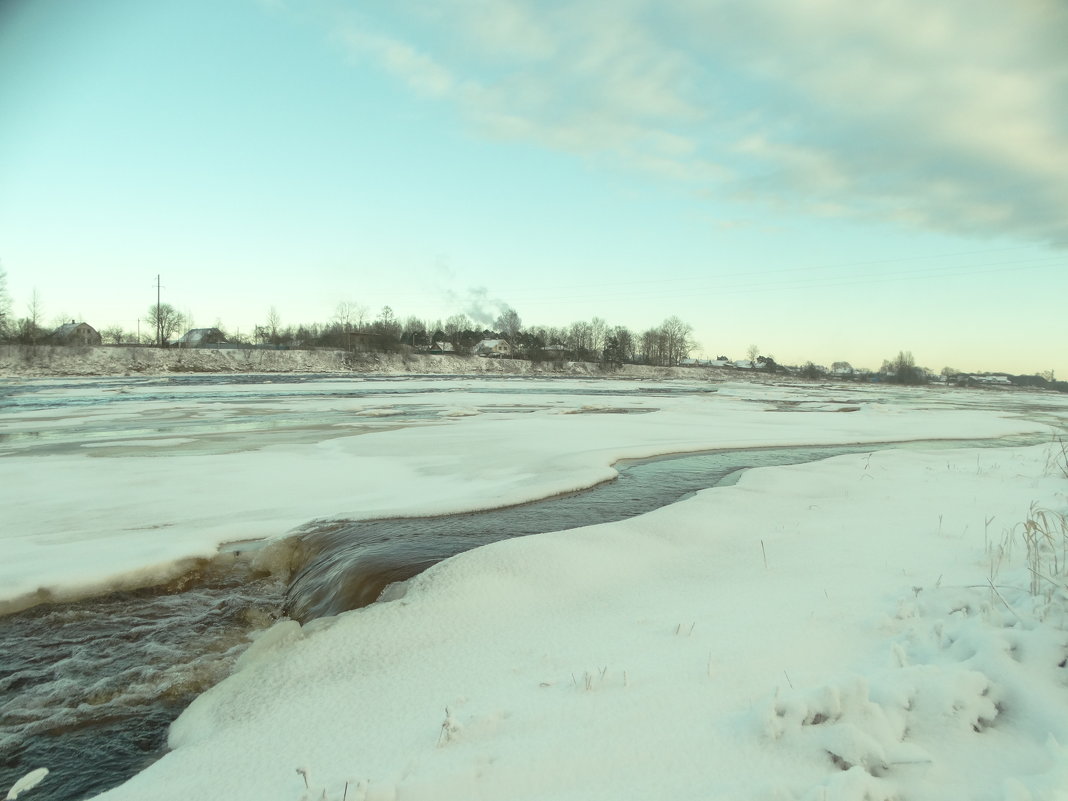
pixel 347 565
pixel 88 689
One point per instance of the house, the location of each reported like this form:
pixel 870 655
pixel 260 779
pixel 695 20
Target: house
pixel 441 348
pixel 73 333
pixel 494 348
pixel 201 338
pixel 983 379
pixel 704 363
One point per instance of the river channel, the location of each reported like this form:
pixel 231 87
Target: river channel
pixel 89 688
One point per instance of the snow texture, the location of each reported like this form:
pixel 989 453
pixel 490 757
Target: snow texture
pixel 26 783
pixel 864 627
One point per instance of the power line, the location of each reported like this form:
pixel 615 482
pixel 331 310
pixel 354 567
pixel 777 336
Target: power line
pixel 672 286
pixel 159 315
pixel 721 285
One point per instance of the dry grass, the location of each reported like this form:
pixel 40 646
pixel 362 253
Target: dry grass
pixel 1045 535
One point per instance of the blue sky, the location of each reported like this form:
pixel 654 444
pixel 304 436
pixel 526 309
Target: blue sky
pixel 825 179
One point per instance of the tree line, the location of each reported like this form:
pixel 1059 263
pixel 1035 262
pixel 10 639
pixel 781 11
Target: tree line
pixel 668 344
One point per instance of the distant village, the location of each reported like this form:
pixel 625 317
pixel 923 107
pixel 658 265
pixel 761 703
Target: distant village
pixel 668 345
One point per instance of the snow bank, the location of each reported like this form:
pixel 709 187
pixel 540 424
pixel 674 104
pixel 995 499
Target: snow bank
pixel 819 631
pixel 47 360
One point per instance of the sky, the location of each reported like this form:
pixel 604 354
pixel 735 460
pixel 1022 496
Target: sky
pixel 826 180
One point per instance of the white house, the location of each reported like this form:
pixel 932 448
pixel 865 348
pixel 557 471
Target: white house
pixel 495 348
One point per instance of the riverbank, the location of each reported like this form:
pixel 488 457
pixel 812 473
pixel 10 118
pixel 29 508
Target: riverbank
pixel 39 361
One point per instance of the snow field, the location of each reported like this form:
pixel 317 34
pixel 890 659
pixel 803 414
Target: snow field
pixel 659 657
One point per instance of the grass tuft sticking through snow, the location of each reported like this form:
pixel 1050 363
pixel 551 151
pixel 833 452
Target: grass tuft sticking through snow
pixel 1045 534
pixel 1057 457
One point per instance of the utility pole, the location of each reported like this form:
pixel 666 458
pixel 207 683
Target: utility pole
pixel 159 320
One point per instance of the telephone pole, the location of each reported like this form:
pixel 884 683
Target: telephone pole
pixel 159 320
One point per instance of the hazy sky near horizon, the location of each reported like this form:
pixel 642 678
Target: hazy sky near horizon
pixel 826 179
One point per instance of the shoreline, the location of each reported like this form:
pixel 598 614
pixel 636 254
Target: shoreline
pixel 48 361
pixel 121 361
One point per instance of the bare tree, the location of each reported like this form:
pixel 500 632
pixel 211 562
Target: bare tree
pixel 667 344
pixel 166 320
pixel 5 304
pixel 349 315
pixel 114 334
pixel 274 323
pixel 454 325
pixel 509 324
pixel 414 332
pixel 598 332
pixel 387 326
pixel 579 339
pixel 29 329
pixel 618 347
pixel 677 340
pixel 652 346
pixel 752 353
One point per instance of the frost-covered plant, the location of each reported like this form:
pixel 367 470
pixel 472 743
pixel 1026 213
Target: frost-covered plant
pixel 450 727
pixel 1045 534
pixel 1057 457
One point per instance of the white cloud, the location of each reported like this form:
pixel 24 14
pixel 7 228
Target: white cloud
pixel 951 115
pixel 412 66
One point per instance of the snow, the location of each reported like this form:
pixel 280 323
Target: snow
pixel 860 627
pixel 26 783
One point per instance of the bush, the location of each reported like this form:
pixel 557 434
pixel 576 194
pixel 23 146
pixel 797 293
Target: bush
pixel 903 370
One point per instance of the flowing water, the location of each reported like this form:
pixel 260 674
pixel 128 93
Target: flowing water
pixel 344 566
pixel 88 689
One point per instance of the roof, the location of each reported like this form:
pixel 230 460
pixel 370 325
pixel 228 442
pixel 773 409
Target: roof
pixel 195 335
pixel 68 329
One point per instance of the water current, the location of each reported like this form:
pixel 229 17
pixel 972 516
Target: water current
pixel 89 688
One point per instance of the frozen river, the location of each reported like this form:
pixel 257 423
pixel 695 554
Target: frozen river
pixel 91 685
